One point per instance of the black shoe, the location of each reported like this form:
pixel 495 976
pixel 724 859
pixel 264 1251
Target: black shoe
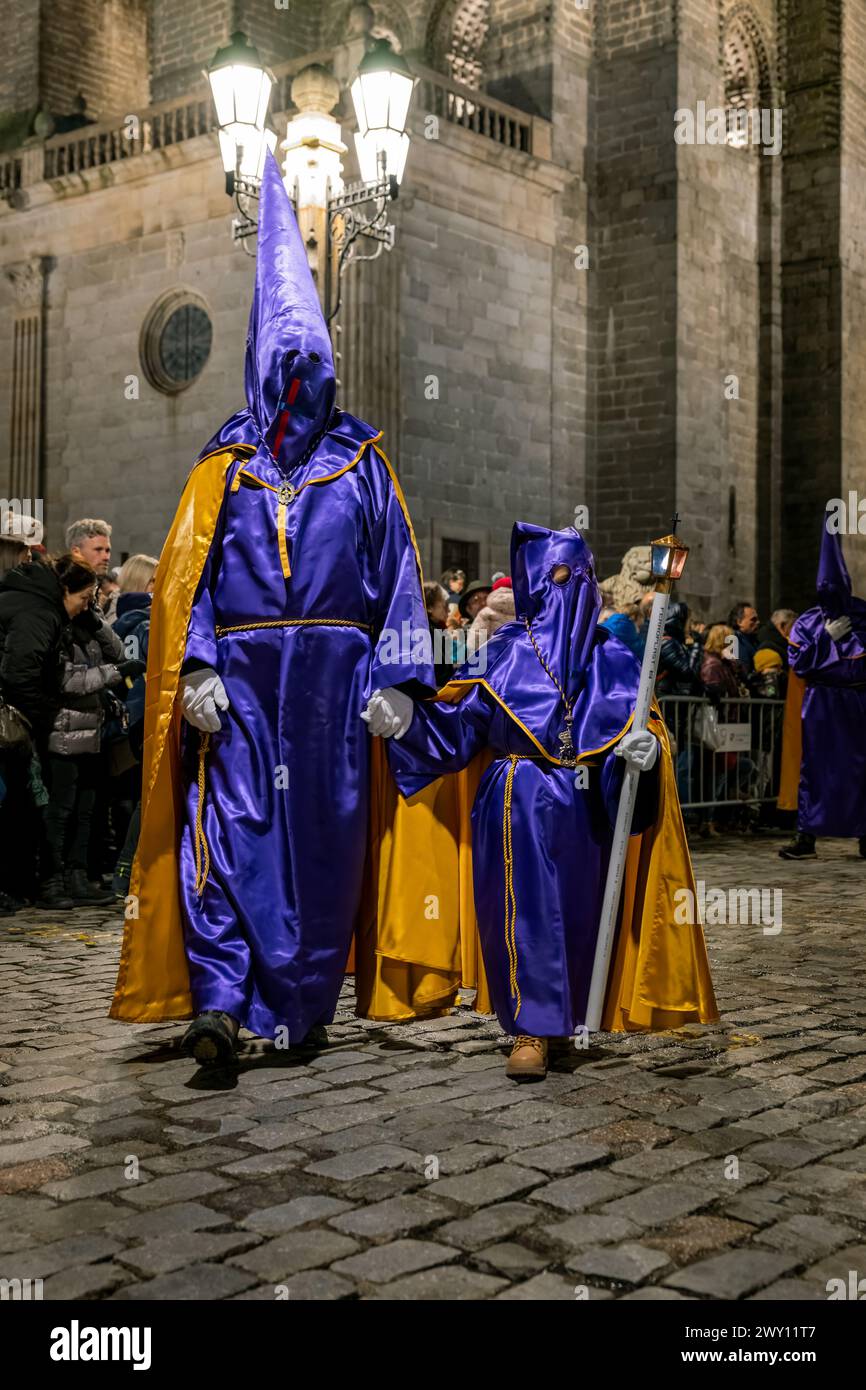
pixel 83 893
pixel 14 902
pixel 211 1038
pixel 803 847
pixel 52 894
pixel 862 845
pixel 316 1038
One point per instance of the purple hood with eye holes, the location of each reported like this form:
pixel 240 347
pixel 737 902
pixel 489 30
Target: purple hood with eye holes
pixel 599 675
pixel 289 370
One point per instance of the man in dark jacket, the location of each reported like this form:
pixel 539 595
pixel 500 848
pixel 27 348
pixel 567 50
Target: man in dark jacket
pixel 743 618
pixel 36 603
pixel 32 619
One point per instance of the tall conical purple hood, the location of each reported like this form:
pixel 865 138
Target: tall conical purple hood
pixel 834 581
pixel 564 615
pixel 289 363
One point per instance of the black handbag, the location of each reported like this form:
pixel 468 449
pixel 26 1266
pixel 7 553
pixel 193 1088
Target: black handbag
pixel 15 730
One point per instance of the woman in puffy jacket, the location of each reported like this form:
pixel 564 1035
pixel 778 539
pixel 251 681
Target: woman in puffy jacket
pixel 497 611
pixel 93 662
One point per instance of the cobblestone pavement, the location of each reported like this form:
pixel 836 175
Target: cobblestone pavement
pixel 723 1162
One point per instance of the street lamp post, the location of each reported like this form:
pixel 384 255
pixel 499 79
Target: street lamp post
pixel 331 214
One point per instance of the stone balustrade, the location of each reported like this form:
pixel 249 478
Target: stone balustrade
pixel 171 123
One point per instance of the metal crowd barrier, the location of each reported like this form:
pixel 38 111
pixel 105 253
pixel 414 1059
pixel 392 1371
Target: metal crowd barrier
pixel 728 754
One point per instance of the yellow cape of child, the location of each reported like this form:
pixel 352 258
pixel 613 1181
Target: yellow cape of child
pixel 416 941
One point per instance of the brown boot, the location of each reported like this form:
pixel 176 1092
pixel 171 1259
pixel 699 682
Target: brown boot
pixel 528 1060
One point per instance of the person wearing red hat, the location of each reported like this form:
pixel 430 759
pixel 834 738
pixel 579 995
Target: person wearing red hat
pixel 497 611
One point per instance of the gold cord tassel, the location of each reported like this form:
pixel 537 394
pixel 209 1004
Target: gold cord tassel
pixel 510 900
pixel 202 853
pixel 282 541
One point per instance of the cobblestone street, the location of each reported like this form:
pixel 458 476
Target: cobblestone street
pixel 725 1162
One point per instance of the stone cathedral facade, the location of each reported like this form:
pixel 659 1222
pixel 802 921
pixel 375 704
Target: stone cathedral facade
pixel 595 299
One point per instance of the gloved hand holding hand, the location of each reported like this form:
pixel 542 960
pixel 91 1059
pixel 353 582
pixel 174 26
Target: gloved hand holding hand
pixel 389 713
pixel 640 748
pixel 838 627
pixel 202 696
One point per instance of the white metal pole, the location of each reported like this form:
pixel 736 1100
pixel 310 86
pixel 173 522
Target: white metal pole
pixel 624 815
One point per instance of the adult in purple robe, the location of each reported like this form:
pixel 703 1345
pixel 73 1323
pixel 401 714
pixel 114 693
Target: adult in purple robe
pixel 828 651
pixel 311 571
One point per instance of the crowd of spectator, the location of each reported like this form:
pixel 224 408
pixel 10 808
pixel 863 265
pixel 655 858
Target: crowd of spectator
pixel 730 664
pixel 73 652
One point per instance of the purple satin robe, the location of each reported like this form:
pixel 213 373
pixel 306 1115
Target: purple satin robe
pixel 285 809
pixel 832 798
pixel 538 920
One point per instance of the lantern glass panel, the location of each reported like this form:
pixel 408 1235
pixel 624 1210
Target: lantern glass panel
pixel 678 561
pixel 401 95
pixel 394 146
pixel 661 561
pixel 223 94
pixel 228 149
pixel 247 84
pixel 358 103
pixel 376 87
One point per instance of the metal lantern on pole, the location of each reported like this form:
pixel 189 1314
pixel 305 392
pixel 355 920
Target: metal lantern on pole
pixel 381 93
pixel 241 87
pixel 668 558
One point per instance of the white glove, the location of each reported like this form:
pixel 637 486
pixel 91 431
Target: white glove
pixel 640 748
pixel 202 696
pixel 838 627
pixel 389 713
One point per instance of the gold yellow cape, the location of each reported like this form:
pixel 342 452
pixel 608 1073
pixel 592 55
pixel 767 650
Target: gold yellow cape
pixel 792 744
pixel 153 981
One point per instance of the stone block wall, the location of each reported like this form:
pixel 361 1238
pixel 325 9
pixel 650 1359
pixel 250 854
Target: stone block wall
pixel 97 48
pixel 559 384
pixel 853 276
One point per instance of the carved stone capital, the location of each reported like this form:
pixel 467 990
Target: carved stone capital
pixel 28 282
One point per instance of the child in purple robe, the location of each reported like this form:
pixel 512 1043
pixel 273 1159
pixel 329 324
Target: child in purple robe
pixel 554 707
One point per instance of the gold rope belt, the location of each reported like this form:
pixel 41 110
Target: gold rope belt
pixel 295 622
pixel 202 853
pixel 510 900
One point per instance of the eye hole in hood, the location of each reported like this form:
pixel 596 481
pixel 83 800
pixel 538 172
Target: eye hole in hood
pixel 563 612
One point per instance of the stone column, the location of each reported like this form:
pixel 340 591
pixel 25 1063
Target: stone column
pixel 367 340
pixel 26 454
